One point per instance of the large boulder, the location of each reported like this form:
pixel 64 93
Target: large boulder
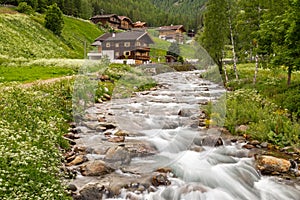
pixel 118 155
pixel 95 168
pixel 272 165
pixel 91 192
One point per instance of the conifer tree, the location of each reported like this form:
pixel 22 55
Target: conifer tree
pixel 54 19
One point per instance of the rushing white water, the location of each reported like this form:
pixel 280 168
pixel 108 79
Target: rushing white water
pixel 217 173
pixel 168 118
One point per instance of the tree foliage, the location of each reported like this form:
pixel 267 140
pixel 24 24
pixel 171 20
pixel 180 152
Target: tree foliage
pixel 54 19
pixel 154 12
pixel 174 50
pixel 268 30
pixel 215 32
pixel 23 7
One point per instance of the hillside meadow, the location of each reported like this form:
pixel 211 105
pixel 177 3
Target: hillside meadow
pixel 24 37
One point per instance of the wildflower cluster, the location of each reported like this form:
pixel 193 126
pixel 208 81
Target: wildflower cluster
pixel 32 123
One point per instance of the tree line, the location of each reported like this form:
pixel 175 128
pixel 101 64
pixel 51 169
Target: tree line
pixel 154 12
pixel 259 30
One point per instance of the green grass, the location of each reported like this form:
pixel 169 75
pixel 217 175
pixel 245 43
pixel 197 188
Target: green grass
pixel 160 48
pixel 32 73
pixel 23 36
pixel 272 84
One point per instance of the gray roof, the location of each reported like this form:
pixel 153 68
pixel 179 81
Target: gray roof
pixel 104 16
pixel 128 36
pixel 173 27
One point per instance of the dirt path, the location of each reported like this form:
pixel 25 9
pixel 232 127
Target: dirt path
pixel 46 81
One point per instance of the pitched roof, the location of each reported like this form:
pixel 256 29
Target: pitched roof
pixel 139 24
pixel 103 16
pixel 125 17
pixel 103 37
pixel 173 27
pixel 129 36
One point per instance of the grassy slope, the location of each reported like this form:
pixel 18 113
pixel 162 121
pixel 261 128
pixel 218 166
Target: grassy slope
pixel 23 36
pixel 160 48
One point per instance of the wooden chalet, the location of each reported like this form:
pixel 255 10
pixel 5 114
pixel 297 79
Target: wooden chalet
pixel 125 45
pixel 111 20
pixel 172 33
pixel 126 23
pixel 140 25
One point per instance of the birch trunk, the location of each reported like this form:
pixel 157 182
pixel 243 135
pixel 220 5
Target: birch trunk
pixel 233 49
pixel 256 69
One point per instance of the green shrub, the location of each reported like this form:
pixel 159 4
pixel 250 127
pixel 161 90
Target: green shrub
pixel 23 7
pixel 266 120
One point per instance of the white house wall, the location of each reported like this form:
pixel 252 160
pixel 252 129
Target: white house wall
pixel 109 53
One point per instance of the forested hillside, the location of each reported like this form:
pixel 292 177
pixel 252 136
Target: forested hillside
pixel 189 12
pixel 154 12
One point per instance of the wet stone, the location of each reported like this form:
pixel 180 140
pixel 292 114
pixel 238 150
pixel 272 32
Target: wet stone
pixel 272 165
pixel 248 146
pixel 95 168
pixel 78 160
pixel 160 179
pixel 117 139
pixel 118 154
pixel 91 192
pixel 72 187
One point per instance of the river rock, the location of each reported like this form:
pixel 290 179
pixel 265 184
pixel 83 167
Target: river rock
pixel 272 165
pixel 160 179
pixel 71 136
pixel 248 146
pixel 140 148
pixel 95 168
pixel 241 128
pixel 164 170
pixel 264 144
pixel 78 160
pixel 78 149
pixel 72 187
pixel 107 125
pixel 254 142
pixel 121 133
pixel 118 154
pixel 212 141
pixel 91 192
pixel 117 139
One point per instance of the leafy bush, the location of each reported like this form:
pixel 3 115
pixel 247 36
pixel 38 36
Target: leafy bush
pixel 266 120
pixel 23 7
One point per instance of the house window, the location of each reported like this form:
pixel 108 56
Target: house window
pixel 126 44
pixel 117 44
pixel 126 53
pixel 108 44
pixel 138 44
